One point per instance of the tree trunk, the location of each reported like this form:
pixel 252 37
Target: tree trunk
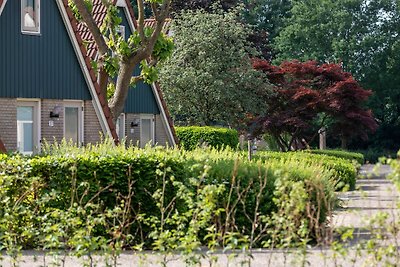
pixel 117 102
pixel 344 142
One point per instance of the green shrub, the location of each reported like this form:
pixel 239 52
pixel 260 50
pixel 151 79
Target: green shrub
pixel 340 154
pixel 255 196
pixel 194 136
pixel 3 157
pixel 343 172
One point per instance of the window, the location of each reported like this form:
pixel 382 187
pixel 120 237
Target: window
pixel 120 126
pixel 30 16
pixel 146 130
pixel 27 128
pixel 73 130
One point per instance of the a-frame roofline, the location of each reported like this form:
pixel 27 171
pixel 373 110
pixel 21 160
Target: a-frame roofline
pixel 84 34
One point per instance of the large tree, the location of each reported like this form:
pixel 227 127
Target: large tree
pixel 209 77
pixel 311 96
pixel 362 35
pixel 117 58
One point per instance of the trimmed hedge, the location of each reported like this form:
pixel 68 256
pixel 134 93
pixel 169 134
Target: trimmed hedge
pixel 344 173
pixel 93 169
pixel 340 154
pixel 192 137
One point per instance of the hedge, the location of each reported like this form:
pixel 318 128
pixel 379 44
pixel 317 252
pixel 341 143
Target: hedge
pixel 344 173
pixel 93 169
pixel 192 137
pixel 359 157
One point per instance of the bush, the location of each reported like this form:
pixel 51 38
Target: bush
pixel 340 154
pixel 343 172
pixel 192 137
pixel 251 198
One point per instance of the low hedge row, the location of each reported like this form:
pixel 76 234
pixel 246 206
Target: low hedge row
pixel 344 173
pixel 275 190
pixel 340 154
pixel 192 137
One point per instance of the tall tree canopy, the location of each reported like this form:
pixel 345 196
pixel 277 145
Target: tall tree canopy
pixel 310 96
pixel 209 77
pixel 362 35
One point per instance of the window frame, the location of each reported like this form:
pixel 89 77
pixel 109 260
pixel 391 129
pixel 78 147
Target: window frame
pixel 152 129
pixel 36 123
pixel 31 30
pixel 80 106
pixel 120 126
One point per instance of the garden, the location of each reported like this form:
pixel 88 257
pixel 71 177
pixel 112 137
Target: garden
pixel 104 200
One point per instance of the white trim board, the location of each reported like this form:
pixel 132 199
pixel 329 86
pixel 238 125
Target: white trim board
pixel 2 6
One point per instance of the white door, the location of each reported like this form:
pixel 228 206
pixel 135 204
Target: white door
pixel 73 128
pixel 120 127
pixel 146 130
pixel 27 127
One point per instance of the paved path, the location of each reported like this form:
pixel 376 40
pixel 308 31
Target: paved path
pixel 374 194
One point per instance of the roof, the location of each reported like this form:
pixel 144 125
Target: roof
pixel 78 34
pixel 2 4
pixel 89 50
pixel 152 23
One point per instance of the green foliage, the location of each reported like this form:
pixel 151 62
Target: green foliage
pixel 343 172
pixel 105 198
pixel 361 36
pixel 192 137
pixel 209 77
pixel 75 11
pixel 340 154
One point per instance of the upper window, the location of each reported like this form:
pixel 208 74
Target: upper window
pixel 30 16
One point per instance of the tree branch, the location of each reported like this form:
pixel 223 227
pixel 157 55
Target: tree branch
pixel 92 25
pixel 140 28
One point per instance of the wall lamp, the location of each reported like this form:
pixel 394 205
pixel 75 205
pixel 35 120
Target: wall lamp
pixel 55 113
pixel 135 123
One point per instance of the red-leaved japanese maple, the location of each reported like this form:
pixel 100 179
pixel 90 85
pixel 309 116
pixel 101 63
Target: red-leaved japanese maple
pixel 307 97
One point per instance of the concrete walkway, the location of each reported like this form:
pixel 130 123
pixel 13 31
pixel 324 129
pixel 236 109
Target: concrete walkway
pixel 374 194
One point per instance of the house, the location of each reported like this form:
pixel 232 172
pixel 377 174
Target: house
pixel 49 90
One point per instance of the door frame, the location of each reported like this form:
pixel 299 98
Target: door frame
pixel 36 104
pixel 80 105
pixel 152 128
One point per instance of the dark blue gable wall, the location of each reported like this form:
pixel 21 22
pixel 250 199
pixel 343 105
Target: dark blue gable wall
pixel 42 66
pixel 140 98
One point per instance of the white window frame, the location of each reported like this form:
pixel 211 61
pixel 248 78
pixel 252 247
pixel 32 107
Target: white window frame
pixel 80 106
pixel 153 124
pixel 120 127
pixel 35 103
pixel 31 30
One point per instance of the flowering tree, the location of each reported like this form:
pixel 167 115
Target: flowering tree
pixel 310 96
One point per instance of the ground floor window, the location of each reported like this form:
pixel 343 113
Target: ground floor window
pixel 28 127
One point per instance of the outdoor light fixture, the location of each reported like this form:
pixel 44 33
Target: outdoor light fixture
pixel 135 123
pixel 56 112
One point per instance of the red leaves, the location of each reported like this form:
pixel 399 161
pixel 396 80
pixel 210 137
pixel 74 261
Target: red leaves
pixel 305 89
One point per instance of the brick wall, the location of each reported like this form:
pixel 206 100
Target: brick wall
pixel 8 123
pixel 161 137
pixel 51 128
pixel 132 137
pixel 92 129
pixel 161 132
